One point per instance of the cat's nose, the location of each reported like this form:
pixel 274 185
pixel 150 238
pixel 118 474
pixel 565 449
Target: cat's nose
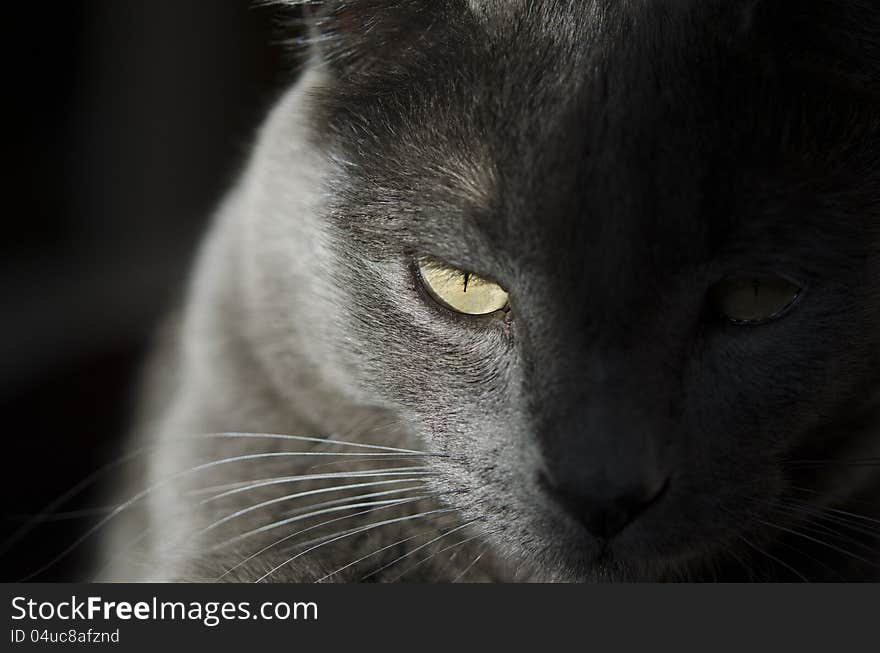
pixel 605 510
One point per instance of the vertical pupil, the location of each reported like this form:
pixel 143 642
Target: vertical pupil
pixel 467 278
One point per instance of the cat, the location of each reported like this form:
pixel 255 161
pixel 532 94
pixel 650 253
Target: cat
pixel 535 290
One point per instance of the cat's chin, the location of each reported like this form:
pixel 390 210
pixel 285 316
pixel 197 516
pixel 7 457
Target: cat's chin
pixel 568 554
pixel 577 567
pixel 635 560
pixel 608 567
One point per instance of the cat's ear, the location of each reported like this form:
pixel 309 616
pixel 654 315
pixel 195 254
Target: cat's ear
pixel 353 36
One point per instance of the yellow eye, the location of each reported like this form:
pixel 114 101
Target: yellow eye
pixel 461 291
pixel 754 300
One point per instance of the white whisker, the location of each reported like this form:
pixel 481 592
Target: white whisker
pixel 49 510
pixel 433 555
pixel 291 520
pixel 299 495
pixel 52 507
pixel 416 550
pixel 144 493
pixel 299 438
pixel 360 530
pixel 63 516
pixel 312 528
pixel 370 555
pixel 470 566
pixel 355 460
pixel 253 485
pixel 309 454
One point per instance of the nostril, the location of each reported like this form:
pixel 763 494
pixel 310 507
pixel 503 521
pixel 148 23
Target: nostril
pixel 606 514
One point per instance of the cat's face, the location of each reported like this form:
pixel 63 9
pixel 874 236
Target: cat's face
pixel 622 173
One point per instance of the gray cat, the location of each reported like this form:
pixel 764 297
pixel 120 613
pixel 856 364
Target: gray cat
pixel 535 290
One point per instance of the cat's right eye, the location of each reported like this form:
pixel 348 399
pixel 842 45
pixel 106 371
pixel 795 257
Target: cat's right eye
pixel 460 291
pixel 754 300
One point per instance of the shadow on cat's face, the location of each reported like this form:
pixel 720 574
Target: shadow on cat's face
pixel 610 168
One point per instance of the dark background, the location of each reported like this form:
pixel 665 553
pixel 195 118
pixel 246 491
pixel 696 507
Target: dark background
pixel 129 118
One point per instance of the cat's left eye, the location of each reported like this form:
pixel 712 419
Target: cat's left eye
pixel 460 291
pixel 754 300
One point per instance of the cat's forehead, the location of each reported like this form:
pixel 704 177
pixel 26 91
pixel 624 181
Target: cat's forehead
pixel 579 127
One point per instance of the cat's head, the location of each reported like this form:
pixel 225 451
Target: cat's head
pixel 668 218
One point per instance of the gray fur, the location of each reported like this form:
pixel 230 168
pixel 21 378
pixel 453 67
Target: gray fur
pixel 607 163
pixel 258 350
